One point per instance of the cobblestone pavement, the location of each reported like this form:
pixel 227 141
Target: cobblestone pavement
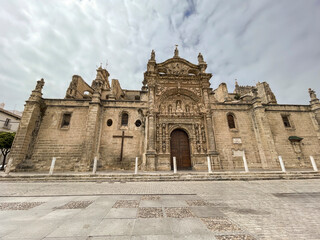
pixel 222 210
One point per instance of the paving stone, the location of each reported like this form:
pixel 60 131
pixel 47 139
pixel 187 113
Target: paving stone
pixel 126 204
pixel 18 205
pixel 150 212
pixel 176 212
pixel 150 197
pixel 122 213
pixel 197 203
pixel 186 226
pixel 207 211
pixel 150 203
pixel 75 205
pixel 234 237
pixel 152 226
pixel 220 225
pixel 114 227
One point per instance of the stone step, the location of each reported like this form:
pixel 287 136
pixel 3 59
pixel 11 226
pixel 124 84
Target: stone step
pixel 143 177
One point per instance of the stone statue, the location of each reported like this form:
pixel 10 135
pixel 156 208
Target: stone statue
pixel 200 58
pixel 170 109
pixel 312 94
pixel 39 85
pixel 176 52
pixel 178 108
pixel 153 55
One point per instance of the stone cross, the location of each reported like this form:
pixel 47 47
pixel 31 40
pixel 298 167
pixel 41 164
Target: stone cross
pixel 122 140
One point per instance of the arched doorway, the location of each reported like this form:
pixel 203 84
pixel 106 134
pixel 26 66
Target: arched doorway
pixel 180 148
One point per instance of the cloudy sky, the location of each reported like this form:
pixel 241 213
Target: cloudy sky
pixel 249 40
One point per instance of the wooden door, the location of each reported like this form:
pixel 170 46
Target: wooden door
pixel 179 145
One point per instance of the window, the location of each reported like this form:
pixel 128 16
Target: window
pixel 137 98
pixel 6 123
pixel 231 122
pixel 124 119
pixel 138 123
pixel 66 120
pixel 109 122
pixel 286 122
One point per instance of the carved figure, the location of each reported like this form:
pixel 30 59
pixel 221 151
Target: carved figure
pixel 203 134
pixel 312 94
pixel 178 108
pixel 39 85
pixel 176 52
pixel 200 58
pixel 170 109
pixel 153 55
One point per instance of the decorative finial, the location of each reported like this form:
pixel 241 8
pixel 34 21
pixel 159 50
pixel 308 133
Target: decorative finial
pixel 200 58
pixel 39 85
pixel 312 93
pixel 236 82
pixel 153 55
pixel 176 51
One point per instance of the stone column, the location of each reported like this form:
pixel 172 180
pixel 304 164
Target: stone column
pixel 264 138
pixel 92 133
pixel 24 141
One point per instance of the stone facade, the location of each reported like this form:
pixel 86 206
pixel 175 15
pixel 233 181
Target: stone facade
pixel 116 125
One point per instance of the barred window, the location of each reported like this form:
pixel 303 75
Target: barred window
pixel 231 122
pixel 66 118
pixel 124 119
pixel 286 122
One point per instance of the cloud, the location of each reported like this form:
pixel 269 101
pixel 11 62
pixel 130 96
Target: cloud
pixel 273 41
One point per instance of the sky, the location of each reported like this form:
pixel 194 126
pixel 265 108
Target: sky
pixel 248 40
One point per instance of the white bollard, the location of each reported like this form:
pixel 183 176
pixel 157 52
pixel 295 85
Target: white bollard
pixel 52 165
pixel 246 169
pixel 7 170
pixel 313 162
pixel 136 166
pixel 95 163
pixel 174 165
pixel 209 165
pixel 283 169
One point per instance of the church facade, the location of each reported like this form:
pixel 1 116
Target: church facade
pixel 175 114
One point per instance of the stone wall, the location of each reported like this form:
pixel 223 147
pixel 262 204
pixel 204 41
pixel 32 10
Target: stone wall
pixel 63 143
pixel 295 155
pixel 230 141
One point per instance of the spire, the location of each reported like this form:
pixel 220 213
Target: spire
pixel 176 52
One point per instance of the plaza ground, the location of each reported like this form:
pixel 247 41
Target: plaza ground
pixel 228 210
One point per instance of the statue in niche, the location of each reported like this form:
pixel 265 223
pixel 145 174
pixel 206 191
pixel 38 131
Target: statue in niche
pixel 169 109
pixel 187 109
pixel 178 107
pixel 203 134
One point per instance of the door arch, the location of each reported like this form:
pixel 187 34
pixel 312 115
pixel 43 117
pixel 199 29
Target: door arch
pixel 180 148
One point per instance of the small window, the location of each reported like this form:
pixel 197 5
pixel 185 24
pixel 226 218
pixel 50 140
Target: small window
pixel 137 97
pixel 124 119
pixel 6 123
pixel 286 122
pixel 138 123
pixel 109 122
pixel 66 120
pixel 231 122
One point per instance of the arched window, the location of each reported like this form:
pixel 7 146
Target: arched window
pixel 231 122
pixel 124 119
